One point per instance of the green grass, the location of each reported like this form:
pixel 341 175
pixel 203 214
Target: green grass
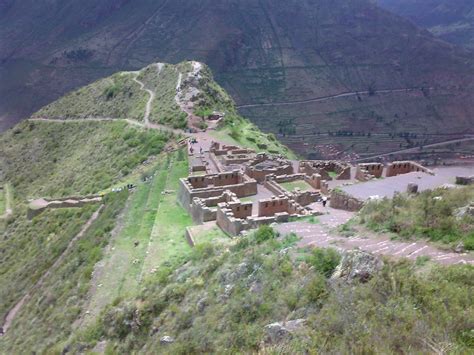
pixel 3 201
pixel 431 215
pixel 44 159
pixel 156 223
pixel 165 109
pixel 298 184
pixel 257 281
pixel 117 96
pixel 333 174
pixel 212 235
pixel 168 244
pixel 239 131
pixel 49 315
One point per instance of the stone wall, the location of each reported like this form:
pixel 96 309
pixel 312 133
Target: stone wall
pixel 465 180
pixel 39 206
pixel 342 201
pixel 324 167
pixel 405 167
pixel 264 165
pixel 213 186
pixel 369 171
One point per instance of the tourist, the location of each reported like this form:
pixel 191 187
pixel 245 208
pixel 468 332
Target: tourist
pixel 325 201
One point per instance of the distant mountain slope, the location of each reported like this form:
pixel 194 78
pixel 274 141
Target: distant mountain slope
pixel 260 51
pixel 451 20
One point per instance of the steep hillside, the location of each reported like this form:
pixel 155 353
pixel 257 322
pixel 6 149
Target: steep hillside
pixel 451 20
pixel 93 142
pixel 262 52
pixel 263 294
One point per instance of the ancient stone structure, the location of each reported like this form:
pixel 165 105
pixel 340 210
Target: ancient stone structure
pixel 235 217
pixel 37 207
pixel 304 198
pixel 264 165
pixel 342 201
pixel 214 185
pixel 326 169
pixel 405 167
pixel 369 171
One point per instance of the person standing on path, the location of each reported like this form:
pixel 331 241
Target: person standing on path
pixel 325 201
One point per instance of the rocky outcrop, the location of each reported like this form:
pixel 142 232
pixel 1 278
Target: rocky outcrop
pixel 357 265
pixel 276 332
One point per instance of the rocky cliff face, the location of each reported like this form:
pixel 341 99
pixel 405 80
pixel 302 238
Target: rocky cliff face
pixel 262 52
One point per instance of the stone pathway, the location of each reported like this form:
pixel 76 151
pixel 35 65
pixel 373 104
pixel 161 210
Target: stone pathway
pixel 323 235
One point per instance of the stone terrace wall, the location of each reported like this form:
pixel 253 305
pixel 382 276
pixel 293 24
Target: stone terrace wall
pixel 405 167
pixel 369 171
pixel 342 201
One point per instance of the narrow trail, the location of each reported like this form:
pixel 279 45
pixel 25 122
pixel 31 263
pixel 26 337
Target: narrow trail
pixel 417 149
pixel 8 202
pixel 146 116
pixel 329 97
pixel 14 311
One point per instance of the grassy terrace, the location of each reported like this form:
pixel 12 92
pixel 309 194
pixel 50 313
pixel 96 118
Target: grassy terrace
pixel 239 131
pixel 300 184
pixel 151 234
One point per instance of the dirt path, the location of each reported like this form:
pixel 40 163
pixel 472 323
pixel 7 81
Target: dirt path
pixel 8 202
pixel 329 97
pixel 323 234
pixel 155 126
pixel 14 311
pixel 146 116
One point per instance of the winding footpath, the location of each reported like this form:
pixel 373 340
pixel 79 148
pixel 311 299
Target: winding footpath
pixel 329 97
pixel 14 311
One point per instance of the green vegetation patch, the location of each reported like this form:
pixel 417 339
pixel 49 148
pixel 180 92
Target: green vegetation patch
pixel 47 159
pixel 439 215
pixel 3 201
pixel 163 82
pixel 298 184
pixel 118 96
pixel 151 233
pixel 49 315
pixel 221 299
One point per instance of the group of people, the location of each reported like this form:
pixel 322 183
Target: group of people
pixel 191 149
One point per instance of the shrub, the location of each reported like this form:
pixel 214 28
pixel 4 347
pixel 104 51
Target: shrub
pixel 324 260
pixel 264 233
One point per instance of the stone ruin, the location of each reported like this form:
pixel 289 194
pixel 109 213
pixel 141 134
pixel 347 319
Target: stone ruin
pixel 369 171
pixel 465 180
pixel 405 167
pixel 325 168
pixel 236 217
pixel 304 198
pixel 264 165
pixel 214 185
